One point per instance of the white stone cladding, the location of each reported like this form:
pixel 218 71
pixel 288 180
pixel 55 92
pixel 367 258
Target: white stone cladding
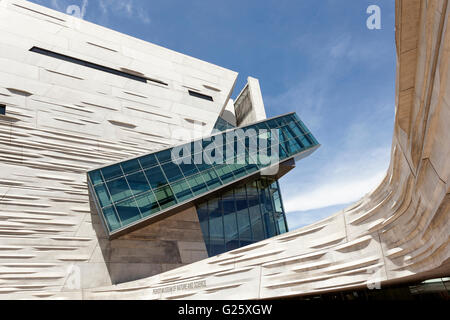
pixel 400 232
pixel 63 119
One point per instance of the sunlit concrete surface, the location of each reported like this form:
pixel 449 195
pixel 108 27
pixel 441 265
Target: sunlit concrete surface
pixel 398 233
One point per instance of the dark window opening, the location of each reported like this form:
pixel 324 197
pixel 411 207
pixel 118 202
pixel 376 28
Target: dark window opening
pixel 2 109
pixel 93 65
pixel 200 95
pixel 157 81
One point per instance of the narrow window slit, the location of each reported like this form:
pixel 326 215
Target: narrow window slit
pixel 200 95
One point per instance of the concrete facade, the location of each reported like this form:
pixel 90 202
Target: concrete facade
pixel 249 105
pixel 399 232
pixel 63 119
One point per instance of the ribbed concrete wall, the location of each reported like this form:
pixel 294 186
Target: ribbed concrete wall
pixel 63 119
pixel 399 232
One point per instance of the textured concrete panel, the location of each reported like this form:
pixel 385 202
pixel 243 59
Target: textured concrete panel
pixel 54 131
pixel 399 232
pixel 249 104
pixel 63 119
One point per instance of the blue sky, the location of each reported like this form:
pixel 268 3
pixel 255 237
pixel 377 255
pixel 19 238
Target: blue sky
pixel 317 58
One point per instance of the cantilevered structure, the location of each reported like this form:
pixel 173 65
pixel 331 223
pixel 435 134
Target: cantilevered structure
pixel 90 192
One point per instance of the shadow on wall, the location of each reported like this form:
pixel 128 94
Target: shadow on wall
pixel 131 257
pixel 159 247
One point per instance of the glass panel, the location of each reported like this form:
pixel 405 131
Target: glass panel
pixel 225 173
pixel 230 151
pixel 156 177
pixel 203 217
pixel 270 224
pixel 182 191
pixel 292 147
pixel 306 140
pixel 148 161
pixel 239 168
pixel 243 217
pixel 260 126
pixel 281 222
pixel 102 195
pixel 247 216
pixel 131 166
pixel 197 185
pixel 138 183
pixel 203 165
pixel 111 218
pixel 272 124
pixel 286 134
pixel 95 177
pixel 164 156
pixel 265 158
pixel 266 205
pixel 230 223
pixel 212 179
pixel 194 180
pixel 128 211
pixel 216 233
pixel 279 215
pixel 172 171
pixel 257 224
pixel 165 197
pixel 112 172
pixel 296 129
pixel 251 163
pixel 284 121
pixel 147 204
pixel 277 202
pixel 250 140
pixel 119 189
pixel 255 213
pixel 282 152
pixel 312 139
pixel 188 169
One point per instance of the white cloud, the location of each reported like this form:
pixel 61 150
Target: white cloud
pixel 343 178
pixel 304 218
pixel 340 47
pixel 143 16
pixel 125 7
pixel 347 166
pixel 334 193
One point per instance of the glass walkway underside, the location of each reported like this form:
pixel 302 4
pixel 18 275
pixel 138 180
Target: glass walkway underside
pixel 138 190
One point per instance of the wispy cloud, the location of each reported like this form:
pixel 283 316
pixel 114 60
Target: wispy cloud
pixel 304 218
pixel 102 10
pixel 143 16
pixel 334 193
pixel 355 154
pixel 124 7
